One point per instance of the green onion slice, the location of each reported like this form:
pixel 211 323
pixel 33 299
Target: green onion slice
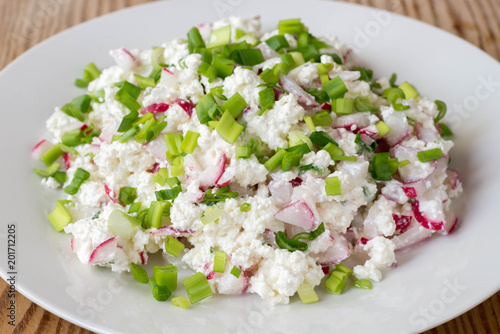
pixel 197 287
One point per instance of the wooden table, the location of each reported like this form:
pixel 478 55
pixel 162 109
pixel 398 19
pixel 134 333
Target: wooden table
pixel 25 23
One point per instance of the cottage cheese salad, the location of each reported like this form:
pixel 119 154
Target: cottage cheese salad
pixel 260 160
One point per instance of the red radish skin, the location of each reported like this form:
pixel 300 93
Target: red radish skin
pixel 104 252
pixel 110 193
pixel 123 58
pixel 298 214
pixel 346 55
pixel 168 71
pixel 326 106
pixel 362 242
pixel 224 180
pixel 169 230
pixel 422 220
pixel 212 174
pixel 412 237
pixel 144 257
pixel 410 191
pixel 40 148
pixel 67 160
pixel 336 253
pixel 326 270
pixel 451 222
pixel 293 88
pixel 296 182
pixel 155 168
pixel 185 105
pixel 156 108
pixel 402 222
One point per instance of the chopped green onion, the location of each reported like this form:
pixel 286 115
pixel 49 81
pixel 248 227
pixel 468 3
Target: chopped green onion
pixel 290 26
pixel 324 78
pixel 172 181
pixel 224 66
pixel 382 167
pixel 303 169
pixel 144 82
pixel 344 106
pixel 344 158
pixel 197 287
pixel 310 124
pixel 219 37
pixel 161 176
pixel 365 74
pixel 332 187
pixel 269 77
pixel 382 128
pixel 281 68
pixel 287 59
pixel 194 38
pixel 404 163
pixel 60 217
pixel 51 170
pixel 127 95
pixel 189 143
pixel 409 91
pixel 343 269
pixel 60 177
pixel 277 42
pixel 236 272
pixel 160 292
pixel 298 58
pixel 155 213
pixel 363 284
pixel 429 155
pixel 168 194
pixel 81 175
pixel 235 105
pixel 319 95
pixel 220 195
pixel 291 245
pixel 266 99
pixel 307 294
pixel 90 73
pixel 445 130
pixel 392 80
pixel 128 121
pixel 322 118
pixel 140 274
pixel 275 160
pixel 166 276
pixel 174 142
pixel 309 53
pixel 335 88
pixel 310 235
pixel 300 149
pixel 242 152
pixel 181 302
pixel 220 260
pixel 363 103
pixel 321 138
pixel 141 136
pixel 208 71
pixel 218 92
pixel 336 282
pixel 297 137
pixel 333 149
pixel 245 207
pixel 211 215
pixel 134 207
pixel 249 57
pixel 324 68
pixel 441 106
pixel 173 246
pixel 52 154
pixel 204 107
pixel 127 195
pixel 228 129
pixel 290 159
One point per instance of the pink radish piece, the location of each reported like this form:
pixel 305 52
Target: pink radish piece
pixel 362 242
pixel 423 220
pixel 144 257
pixel 410 191
pixel 212 174
pixel 228 284
pixel 107 133
pixel 225 179
pixel 123 58
pixel 298 214
pixel 105 252
pixel 40 148
pixel 451 222
pixel 326 106
pixel 402 222
pixel 185 105
pixel 156 108
pixel 111 194
pixel 414 235
pixel 400 130
pixel 336 253
pixel 157 148
pixel 354 122
pixel 67 160
pixel 267 51
pixel 427 135
pixel 370 131
pixel 74 244
pixel 169 230
pixel 326 270
pixel 452 178
pixel 415 171
pixel 346 55
pixel 281 192
pixel 293 88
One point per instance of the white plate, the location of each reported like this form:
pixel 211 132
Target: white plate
pixel 432 284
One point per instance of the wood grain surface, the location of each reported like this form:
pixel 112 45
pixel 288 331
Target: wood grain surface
pixel 25 23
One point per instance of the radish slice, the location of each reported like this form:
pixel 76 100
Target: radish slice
pixel 185 105
pixel 451 222
pixel 452 178
pixel 427 135
pixel 111 194
pixel 212 174
pixel 370 131
pixel 169 230
pixel 353 122
pixel 157 148
pixel 400 130
pixel 75 244
pixel 225 179
pixel 402 222
pixel 40 148
pixel 362 242
pixel 411 237
pixel 415 171
pixel 281 192
pixel 144 257
pixel 67 160
pixel 298 214
pixel 336 253
pixel 156 108
pixel 123 58
pixel 105 252
pixel 393 191
pixel 293 88
pixel 410 191
pixel 168 78
pixel 107 133
pixel 423 220
pixel 267 51
pixel 228 284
